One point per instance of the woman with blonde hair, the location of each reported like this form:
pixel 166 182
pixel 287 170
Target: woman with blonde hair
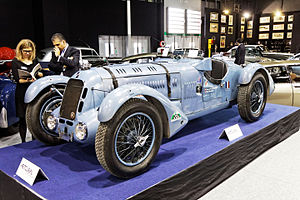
pixel 24 60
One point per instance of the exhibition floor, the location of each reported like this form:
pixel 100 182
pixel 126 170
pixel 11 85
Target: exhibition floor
pixel 272 176
pixel 212 160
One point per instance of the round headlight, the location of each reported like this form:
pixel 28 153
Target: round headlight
pixel 51 122
pixel 81 131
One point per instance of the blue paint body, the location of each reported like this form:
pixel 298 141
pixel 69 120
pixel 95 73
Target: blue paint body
pixel 149 80
pixel 37 86
pixel 7 103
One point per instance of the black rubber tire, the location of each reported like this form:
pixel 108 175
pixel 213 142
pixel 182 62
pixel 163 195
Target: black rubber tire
pixel 244 96
pixel 105 138
pixel 33 121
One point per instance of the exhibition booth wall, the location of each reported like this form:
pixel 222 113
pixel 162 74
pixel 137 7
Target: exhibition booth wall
pixel 80 22
pixel 186 167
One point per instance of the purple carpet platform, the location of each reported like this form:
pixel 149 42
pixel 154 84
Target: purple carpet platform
pixel 186 167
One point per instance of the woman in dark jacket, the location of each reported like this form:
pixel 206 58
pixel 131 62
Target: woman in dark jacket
pixel 24 60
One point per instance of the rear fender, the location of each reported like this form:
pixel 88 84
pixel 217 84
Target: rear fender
pixel 248 72
pixel 114 100
pixel 39 85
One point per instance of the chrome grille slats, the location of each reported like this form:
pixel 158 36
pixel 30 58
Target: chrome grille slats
pixel 71 99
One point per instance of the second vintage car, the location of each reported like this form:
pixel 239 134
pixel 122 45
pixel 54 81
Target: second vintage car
pixel 126 109
pixel 260 53
pixel 286 76
pixel 88 57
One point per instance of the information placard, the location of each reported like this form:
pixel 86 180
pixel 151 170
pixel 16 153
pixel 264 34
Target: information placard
pixel 166 51
pixel 29 171
pixel 193 53
pixel 232 132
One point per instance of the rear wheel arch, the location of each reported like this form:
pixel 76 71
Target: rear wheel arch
pixel 264 73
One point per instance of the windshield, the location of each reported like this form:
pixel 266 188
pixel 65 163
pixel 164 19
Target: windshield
pixel 88 53
pixel 296 69
pixel 192 52
pixel 263 48
pixel 250 51
pixel 41 54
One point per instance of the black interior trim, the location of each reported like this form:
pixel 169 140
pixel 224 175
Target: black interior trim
pixel 219 70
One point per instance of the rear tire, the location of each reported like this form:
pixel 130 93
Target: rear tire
pixel 252 98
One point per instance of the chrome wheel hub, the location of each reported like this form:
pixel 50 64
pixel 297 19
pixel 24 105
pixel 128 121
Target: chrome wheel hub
pixel 141 141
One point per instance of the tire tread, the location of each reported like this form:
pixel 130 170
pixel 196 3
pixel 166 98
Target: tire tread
pixel 103 137
pixel 243 98
pixel 31 119
pixel 99 146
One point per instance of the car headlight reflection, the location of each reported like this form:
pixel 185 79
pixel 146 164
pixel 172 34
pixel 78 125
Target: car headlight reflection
pixel 81 131
pixel 51 122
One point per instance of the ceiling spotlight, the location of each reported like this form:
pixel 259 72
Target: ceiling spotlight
pixel 278 13
pixel 226 11
pixel 246 15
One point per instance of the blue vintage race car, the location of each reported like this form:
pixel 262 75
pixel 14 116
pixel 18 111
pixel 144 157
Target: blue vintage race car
pixel 126 109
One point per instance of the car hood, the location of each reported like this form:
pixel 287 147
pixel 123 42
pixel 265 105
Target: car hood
pixel 277 55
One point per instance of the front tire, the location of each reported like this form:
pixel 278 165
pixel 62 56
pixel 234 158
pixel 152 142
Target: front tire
pixel 128 143
pixel 36 114
pixel 252 98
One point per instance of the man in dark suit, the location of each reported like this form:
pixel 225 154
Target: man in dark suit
pixel 65 59
pixel 240 52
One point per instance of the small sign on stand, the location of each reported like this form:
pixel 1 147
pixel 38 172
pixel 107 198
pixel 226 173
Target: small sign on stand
pixel 232 132
pixel 193 53
pixel 29 172
pixel 166 51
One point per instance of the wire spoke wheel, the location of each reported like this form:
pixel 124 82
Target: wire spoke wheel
pixel 134 139
pixel 127 144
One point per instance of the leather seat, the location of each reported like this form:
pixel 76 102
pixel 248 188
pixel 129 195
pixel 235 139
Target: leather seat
pixel 217 73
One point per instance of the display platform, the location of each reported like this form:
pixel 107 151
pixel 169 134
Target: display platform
pixel 186 167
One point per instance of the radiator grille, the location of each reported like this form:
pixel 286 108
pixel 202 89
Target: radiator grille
pixel 71 98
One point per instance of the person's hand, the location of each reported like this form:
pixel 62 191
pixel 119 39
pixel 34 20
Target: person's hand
pixel 56 51
pixel 40 74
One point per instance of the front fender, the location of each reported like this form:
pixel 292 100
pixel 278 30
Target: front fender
pixel 114 100
pixel 37 86
pixel 248 72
